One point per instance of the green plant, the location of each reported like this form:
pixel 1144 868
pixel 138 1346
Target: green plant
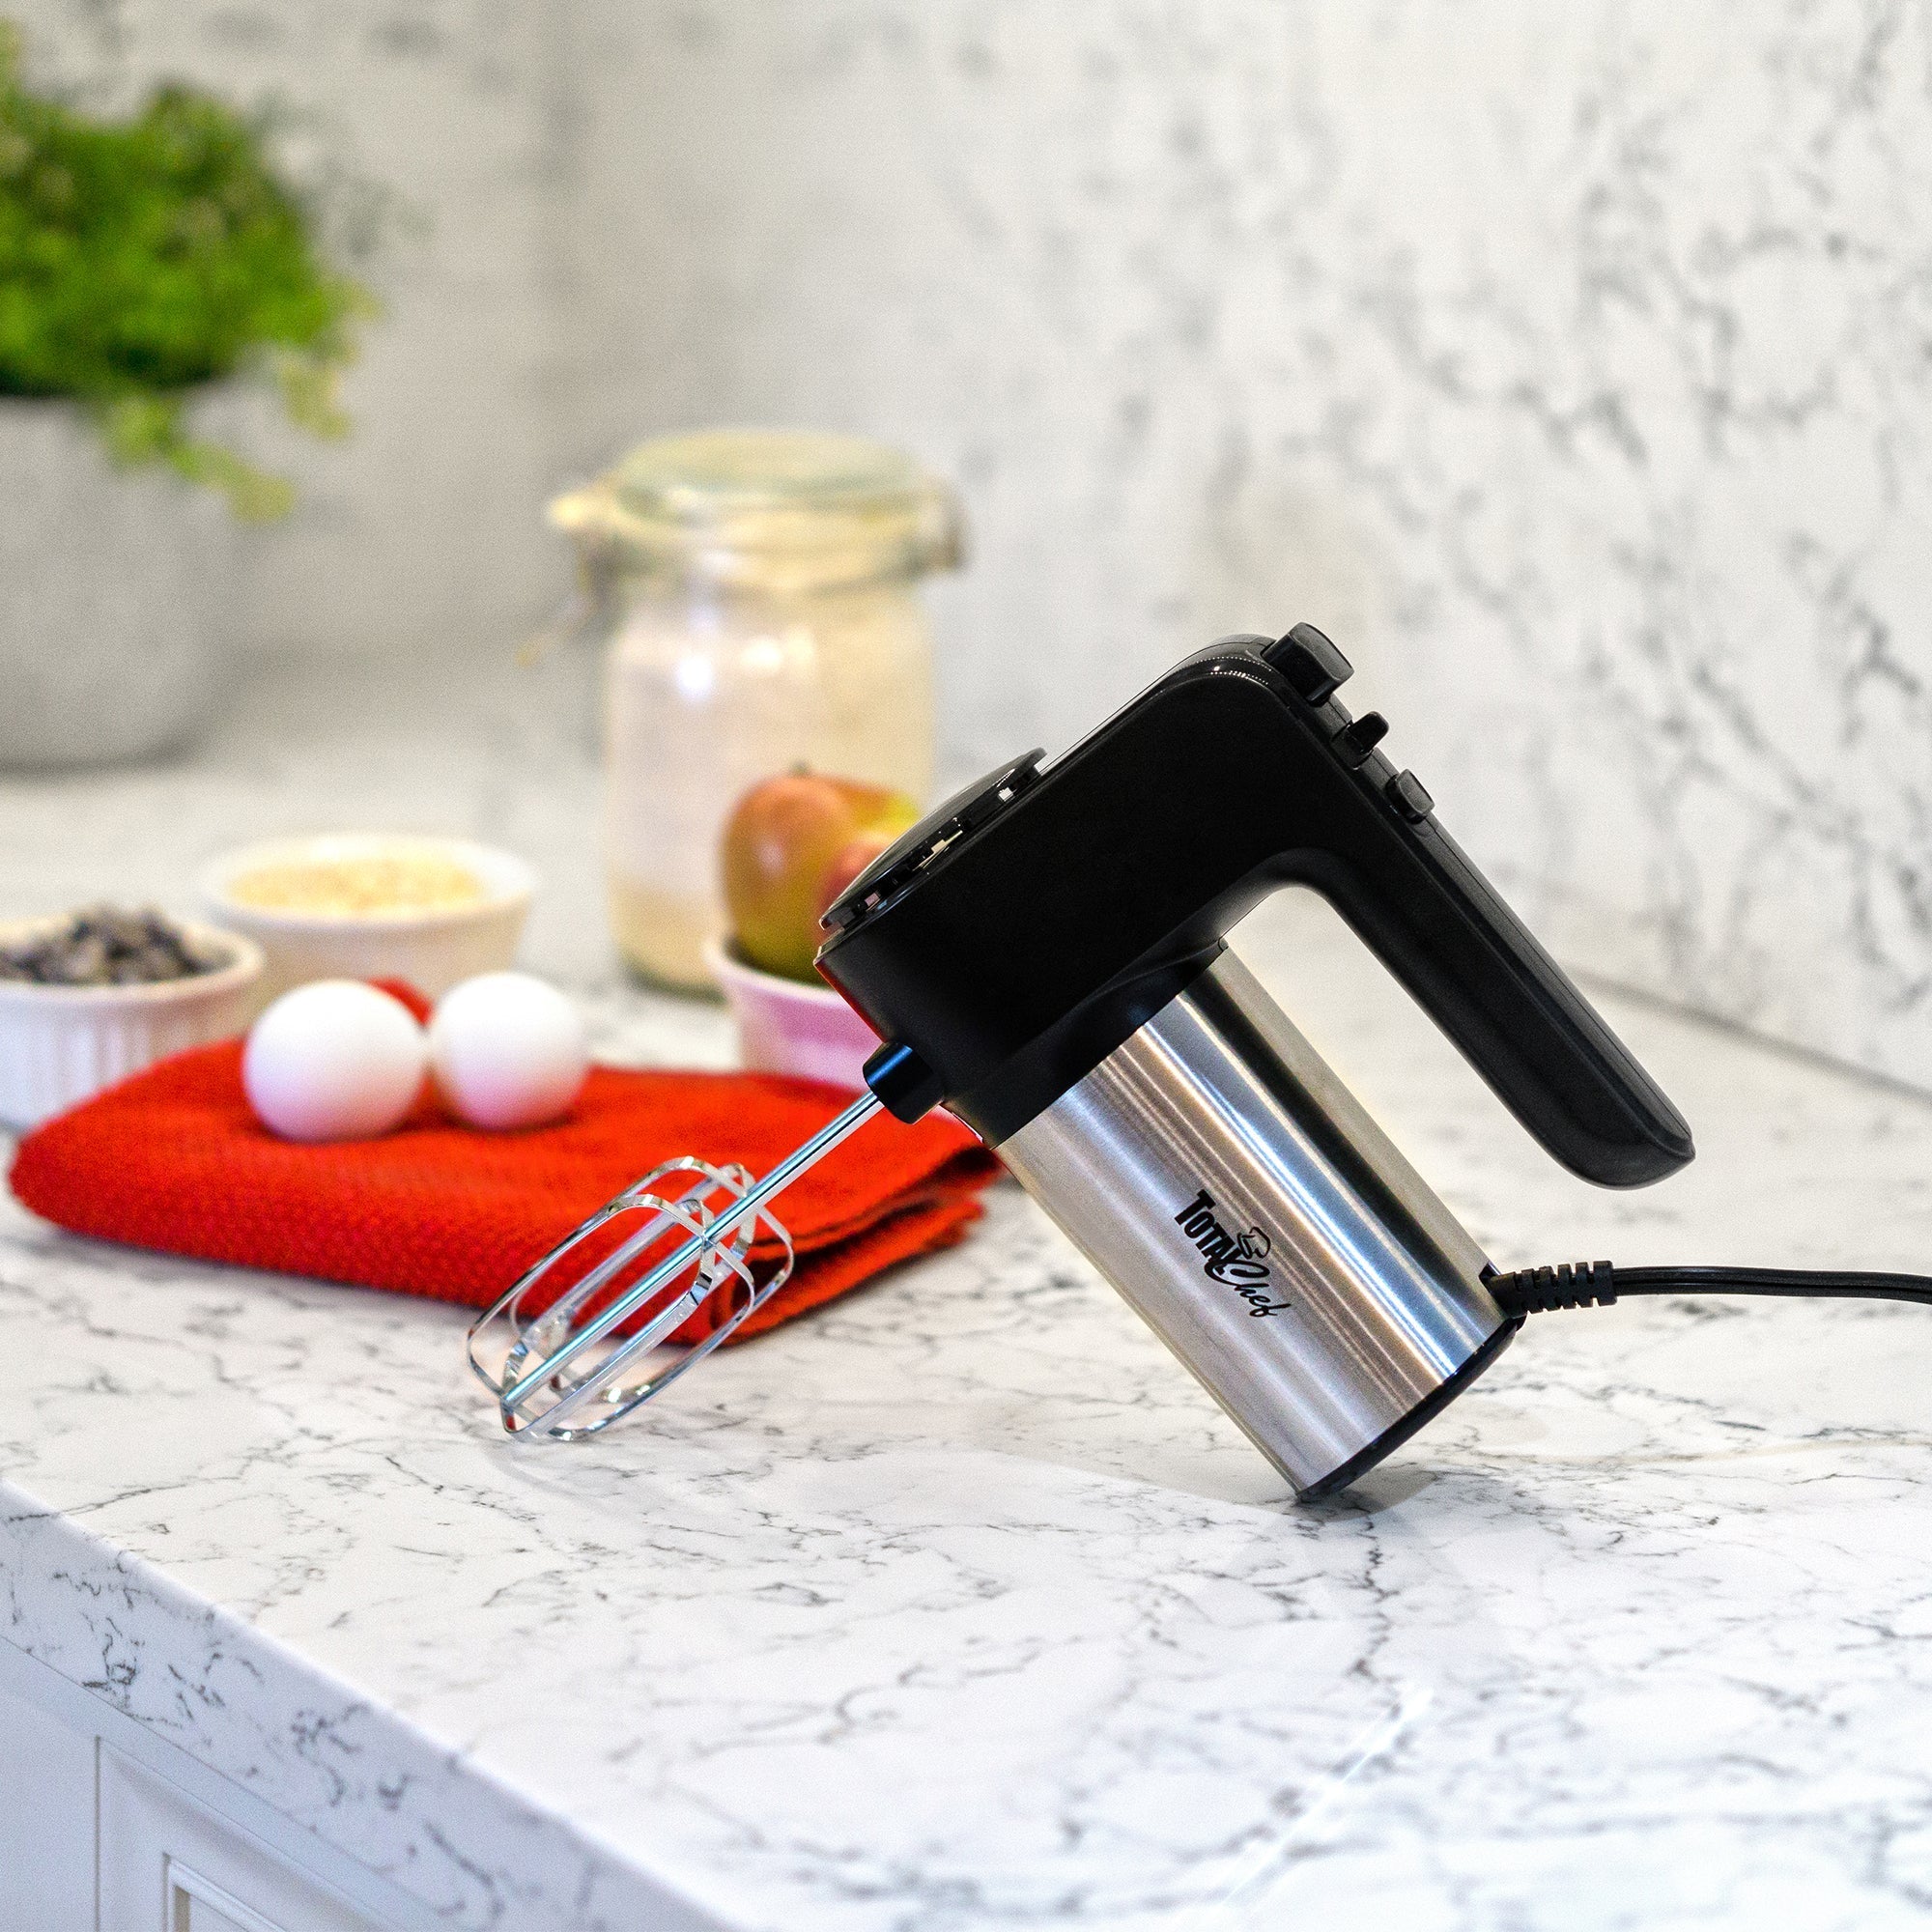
pixel 142 259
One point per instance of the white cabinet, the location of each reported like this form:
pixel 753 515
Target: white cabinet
pixel 46 1818
pixel 105 1828
pixel 169 1864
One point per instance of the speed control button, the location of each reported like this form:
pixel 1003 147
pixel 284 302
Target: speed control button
pixel 1310 662
pixel 1411 797
pixel 1354 742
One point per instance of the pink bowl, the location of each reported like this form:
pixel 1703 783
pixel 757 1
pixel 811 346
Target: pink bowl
pixel 786 1026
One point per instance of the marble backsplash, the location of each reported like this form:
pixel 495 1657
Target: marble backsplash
pixel 1572 366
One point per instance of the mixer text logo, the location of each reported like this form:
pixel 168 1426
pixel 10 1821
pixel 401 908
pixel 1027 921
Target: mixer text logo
pixel 1236 1260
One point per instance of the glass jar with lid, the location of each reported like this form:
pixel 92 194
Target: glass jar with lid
pixel 757 593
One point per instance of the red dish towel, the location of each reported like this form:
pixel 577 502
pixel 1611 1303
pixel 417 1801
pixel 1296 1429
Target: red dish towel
pixel 174 1159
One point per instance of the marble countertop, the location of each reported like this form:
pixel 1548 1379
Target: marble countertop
pixel 960 1606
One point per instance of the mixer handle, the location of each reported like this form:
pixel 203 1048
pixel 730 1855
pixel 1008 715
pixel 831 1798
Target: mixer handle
pixel 1414 897
pixel 1365 836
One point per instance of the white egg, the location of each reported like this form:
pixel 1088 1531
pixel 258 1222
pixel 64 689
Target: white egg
pixel 333 1060
pixel 507 1050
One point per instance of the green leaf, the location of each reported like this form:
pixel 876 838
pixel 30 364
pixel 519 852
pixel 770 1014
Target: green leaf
pixel 142 259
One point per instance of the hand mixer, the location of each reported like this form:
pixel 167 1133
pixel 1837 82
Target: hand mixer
pixel 1044 955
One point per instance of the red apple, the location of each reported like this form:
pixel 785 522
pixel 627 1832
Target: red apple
pixel 782 840
pixel 847 863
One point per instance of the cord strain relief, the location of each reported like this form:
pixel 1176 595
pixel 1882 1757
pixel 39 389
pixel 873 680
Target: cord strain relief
pixel 1540 1291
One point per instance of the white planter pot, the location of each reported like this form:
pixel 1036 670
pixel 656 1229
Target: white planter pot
pixel 112 587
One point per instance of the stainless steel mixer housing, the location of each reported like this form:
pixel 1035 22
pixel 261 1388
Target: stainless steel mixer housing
pixel 1214 1169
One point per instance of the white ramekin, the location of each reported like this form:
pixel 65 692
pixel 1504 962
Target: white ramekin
pixel 59 1044
pixel 432 951
pixel 786 1026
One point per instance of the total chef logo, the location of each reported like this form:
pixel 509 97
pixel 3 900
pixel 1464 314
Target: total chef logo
pixel 1236 1261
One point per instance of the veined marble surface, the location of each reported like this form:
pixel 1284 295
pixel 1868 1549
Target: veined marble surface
pixel 958 1605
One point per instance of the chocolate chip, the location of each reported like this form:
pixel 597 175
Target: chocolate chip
pixel 105 945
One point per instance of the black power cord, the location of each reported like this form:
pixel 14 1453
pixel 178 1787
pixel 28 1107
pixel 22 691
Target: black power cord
pixel 1539 1290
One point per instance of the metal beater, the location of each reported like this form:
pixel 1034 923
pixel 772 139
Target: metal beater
pixel 552 1350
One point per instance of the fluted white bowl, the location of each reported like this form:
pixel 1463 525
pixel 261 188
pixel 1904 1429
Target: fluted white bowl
pixel 60 1044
